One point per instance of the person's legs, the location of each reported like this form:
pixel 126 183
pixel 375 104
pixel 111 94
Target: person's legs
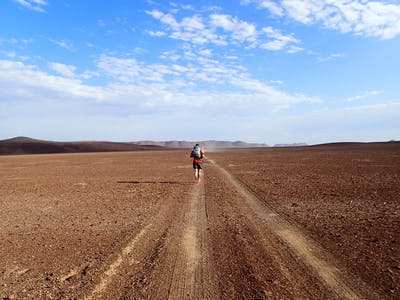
pixel 199 168
pixel 196 170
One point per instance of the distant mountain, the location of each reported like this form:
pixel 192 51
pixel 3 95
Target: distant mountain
pixel 26 145
pixel 291 145
pixel 359 145
pixel 211 144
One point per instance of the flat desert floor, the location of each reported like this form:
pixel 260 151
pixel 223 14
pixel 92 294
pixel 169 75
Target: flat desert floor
pixel 303 223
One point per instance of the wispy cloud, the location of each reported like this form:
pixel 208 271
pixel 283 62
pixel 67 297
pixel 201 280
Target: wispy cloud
pixel 101 23
pixel 240 30
pixel 64 70
pixel 186 80
pixel 155 33
pixel 164 88
pixel 27 82
pixel 276 82
pixel 170 55
pixel 189 29
pixel 364 95
pixel 366 18
pixel 321 59
pixel 64 44
pixel 273 7
pixel 36 5
pixel 10 54
pixel 280 41
pixel 180 6
pixel 223 30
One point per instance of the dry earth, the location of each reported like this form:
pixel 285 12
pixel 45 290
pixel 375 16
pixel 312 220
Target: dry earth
pixel 302 223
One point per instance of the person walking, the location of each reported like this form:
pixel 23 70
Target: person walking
pixel 197 154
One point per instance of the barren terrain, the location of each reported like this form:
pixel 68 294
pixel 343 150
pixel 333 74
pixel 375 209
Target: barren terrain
pixel 299 223
pixel 26 145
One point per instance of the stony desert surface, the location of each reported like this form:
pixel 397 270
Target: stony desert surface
pixel 316 222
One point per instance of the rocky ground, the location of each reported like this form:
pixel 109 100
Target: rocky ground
pixel 298 223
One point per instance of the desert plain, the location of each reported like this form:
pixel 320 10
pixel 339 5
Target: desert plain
pixel 319 222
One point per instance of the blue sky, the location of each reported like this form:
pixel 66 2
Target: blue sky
pixel 254 70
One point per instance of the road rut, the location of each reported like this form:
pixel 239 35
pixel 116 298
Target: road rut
pixel 193 276
pixel 337 280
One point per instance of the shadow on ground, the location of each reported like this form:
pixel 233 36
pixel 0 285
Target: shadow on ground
pixel 152 182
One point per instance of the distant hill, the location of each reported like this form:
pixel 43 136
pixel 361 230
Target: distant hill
pixel 359 145
pixel 211 144
pixel 26 145
pixel 291 145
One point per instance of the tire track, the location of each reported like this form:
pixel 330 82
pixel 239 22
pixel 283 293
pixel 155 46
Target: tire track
pixel 178 237
pixel 336 279
pixel 251 261
pixel 113 269
pixel 132 260
pixel 193 274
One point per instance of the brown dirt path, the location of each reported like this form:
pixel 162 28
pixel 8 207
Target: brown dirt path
pixel 337 280
pixel 345 197
pixel 167 259
pixel 250 261
pixel 193 275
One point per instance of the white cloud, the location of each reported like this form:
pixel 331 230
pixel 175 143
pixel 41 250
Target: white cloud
pixel 364 95
pixel 170 55
pixel 190 29
pixel 366 18
pixel 231 57
pixel 272 6
pixel 321 59
pixel 63 44
pixel 280 41
pixel 101 23
pixel 10 54
pixel 120 103
pixel 89 74
pixel 241 30
pixel 27 82
pixel 162 88
pixel 167 19
pixel 182 6
pixel 205 52
pixel 276 81
pixel 222 30
pixel 294 49
pixel 36 5
pixel 65 70
pixel 16 43
pixel 192 23
pixel 125 70
pixel 155 33
pixel 219 77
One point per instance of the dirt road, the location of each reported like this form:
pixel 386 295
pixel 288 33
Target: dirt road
pixel 131 226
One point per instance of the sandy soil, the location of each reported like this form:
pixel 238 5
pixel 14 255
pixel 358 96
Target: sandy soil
pixel 304 223
pixel 345 197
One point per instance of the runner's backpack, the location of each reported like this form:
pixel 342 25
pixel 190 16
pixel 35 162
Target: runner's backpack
pixel 196 152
